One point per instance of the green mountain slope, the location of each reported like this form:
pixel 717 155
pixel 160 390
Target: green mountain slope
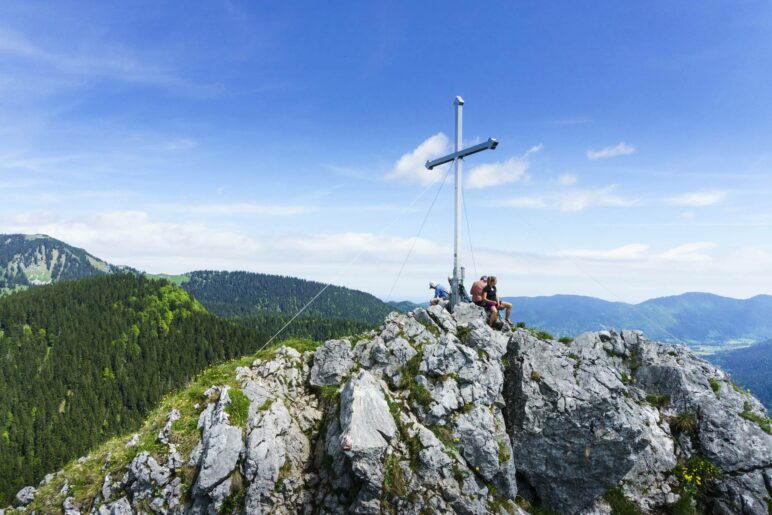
pixel 751 368
pixel 702 320
pixel 31 260
pixel 243 294
pixel 81 361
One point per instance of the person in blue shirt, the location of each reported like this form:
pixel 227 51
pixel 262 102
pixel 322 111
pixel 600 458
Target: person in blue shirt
pixel 441 294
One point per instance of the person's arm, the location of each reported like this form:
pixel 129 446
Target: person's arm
pixel 485 295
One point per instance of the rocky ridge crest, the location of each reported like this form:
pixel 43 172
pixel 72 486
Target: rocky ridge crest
pixel 439 413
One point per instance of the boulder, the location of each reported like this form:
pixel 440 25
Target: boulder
pixel 25 496
pixel 332 363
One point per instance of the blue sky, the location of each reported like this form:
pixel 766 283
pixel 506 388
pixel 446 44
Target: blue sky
pixel 635 155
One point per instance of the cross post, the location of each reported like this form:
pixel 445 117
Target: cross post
pixel 458 157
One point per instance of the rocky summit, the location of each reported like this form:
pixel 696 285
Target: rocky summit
pixel 439 413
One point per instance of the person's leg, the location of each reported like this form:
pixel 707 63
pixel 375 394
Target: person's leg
pixel 494 313
pixel 508 307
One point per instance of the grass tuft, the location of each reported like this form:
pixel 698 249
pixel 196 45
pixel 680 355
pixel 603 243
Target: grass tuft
pixel 620 505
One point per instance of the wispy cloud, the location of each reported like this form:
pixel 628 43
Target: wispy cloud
pixel 625 252
pixel 410 167
pixel 567 179
pixel 689 252
pixel 697 198
pixel 620 149
pixel 694 252
pixel 574 200
pixel 96 63
pixel 503 172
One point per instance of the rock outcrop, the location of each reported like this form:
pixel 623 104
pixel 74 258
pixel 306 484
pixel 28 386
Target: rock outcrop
pixel 439 413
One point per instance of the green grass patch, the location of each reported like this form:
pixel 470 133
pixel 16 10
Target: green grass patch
pixel 764 423
pixel 521 325
pixel 413 443
pixel 504 454
pixel 620 505
pixel 416 392
pixel 715 386
pixel 566 340
pixel 462 332
pixel 684 423
pixel 299 344
pixel 238 409
pixel 394 482
pixel 658 401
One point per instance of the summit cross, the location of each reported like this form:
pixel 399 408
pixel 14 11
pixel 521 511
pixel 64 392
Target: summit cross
pixel 458 158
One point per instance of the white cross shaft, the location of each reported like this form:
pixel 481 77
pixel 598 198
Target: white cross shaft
pixel 458 156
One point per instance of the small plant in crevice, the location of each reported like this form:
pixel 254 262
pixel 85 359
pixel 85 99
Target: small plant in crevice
pixel 715 386
pixel 684 423
pixel 566 340
pixel 695 476
pixel 535 376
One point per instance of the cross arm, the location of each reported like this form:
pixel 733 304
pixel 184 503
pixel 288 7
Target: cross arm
pixel 490 144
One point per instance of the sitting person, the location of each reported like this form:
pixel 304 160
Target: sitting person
pixel 477 291
pixel 441 294
pixel 491 298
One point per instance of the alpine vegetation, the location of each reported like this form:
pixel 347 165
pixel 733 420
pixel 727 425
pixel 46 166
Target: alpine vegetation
pixel 437 413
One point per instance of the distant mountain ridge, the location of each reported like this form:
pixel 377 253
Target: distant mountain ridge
pixel 702 320
pixel 33 260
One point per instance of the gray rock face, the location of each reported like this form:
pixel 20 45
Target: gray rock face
pixel 25 496
pixel 332 363
pixel 440 413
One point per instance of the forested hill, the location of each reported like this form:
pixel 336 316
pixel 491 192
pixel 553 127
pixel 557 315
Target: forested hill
pixel 750 368
pixel 238 294
pixel 30 260
pixel 83 360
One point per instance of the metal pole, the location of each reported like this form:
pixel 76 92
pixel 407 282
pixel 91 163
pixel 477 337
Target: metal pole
pixel 454 298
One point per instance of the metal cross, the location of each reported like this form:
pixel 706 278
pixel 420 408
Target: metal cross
pixel 458 157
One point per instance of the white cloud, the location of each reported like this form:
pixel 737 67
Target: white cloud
pixel 630 272
pixel 581 199
pixel 697 198
pixel 573 201
pixel 625 252
pixel 526 203
pixel 496 174
pixel 621 149
pixel 689 252
pixel 567 179
pixel 411 166
pixel 534 149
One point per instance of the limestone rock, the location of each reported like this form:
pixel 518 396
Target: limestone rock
pixel 332 363
pixel 25 496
